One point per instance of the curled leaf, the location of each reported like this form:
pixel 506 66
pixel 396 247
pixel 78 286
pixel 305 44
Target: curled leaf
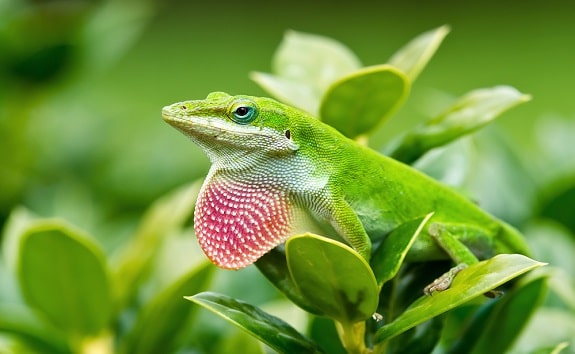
pixel 469 113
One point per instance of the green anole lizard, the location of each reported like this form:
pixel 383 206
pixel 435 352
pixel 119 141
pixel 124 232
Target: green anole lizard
pixel 276 171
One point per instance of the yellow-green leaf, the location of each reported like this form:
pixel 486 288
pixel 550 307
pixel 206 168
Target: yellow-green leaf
pixel 412 58
pixel 63 275
pixel 304 65
pixel 469 113
pixel 358 103
pixel 333 277
pixel 471 282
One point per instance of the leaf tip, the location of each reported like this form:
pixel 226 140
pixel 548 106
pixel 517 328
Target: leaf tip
pixel 525 97
pixel 444 30
pixel 256 77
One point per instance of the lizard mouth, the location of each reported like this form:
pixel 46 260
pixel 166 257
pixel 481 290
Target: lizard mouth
pixel 215 128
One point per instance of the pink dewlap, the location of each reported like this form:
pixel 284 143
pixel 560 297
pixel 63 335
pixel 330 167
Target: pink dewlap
pixel 237 223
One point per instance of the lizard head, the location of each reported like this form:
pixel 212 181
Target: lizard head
pixel 243 210
pixel 225 125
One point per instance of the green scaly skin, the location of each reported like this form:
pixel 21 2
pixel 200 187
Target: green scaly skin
pixel 277 172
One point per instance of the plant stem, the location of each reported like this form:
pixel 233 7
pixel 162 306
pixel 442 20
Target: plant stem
pixel 352 337
pixel 102 344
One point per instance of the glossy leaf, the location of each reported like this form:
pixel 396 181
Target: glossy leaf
pixel 304 66
pixel 510 316
pixel 324 332
pixel 274 267
pixel 465 325
pixel 421 340
pixel 163 323
pixel 389 256
pixel 469 113
pixel 63 275
pixel 358 103
pixel 414 56
pixel 333 277
pixel 269 329
pixel 471 282
pixel 496 324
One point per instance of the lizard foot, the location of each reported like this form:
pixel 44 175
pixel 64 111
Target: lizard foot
pixel 444 281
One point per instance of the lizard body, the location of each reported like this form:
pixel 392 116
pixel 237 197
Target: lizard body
pixel 276 172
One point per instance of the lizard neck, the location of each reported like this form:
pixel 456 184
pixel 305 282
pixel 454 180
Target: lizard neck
pixel 246 209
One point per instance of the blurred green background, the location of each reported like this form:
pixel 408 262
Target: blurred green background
pixel 82 82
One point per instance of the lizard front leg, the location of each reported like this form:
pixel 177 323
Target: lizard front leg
pixel 446 237
pixel 347 224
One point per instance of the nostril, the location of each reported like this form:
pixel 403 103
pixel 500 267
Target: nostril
pixel 183 107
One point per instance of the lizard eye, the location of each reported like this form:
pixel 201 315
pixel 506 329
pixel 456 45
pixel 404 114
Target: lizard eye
pixel 244 113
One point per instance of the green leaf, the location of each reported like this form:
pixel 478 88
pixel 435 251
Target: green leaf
pixel 235 339
pixel 551 242
pixel 313 59
pixel 304 65
pixel 358 103
pixel 389 256
pixel 166 215
pixel 269 329
pixel 468 164
pixel 333 277
pixel 497 324
pixel 324 332
pixel 412 58
pixel 549 328
pixel 63 275
pixel 559 348
pixel 273 266
pixel 19 220
pixel 510 316
pixel 19 322
pixel 469 113
pixel 421 340
pixel 294 93
pixel 471 282
pixel 163 323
